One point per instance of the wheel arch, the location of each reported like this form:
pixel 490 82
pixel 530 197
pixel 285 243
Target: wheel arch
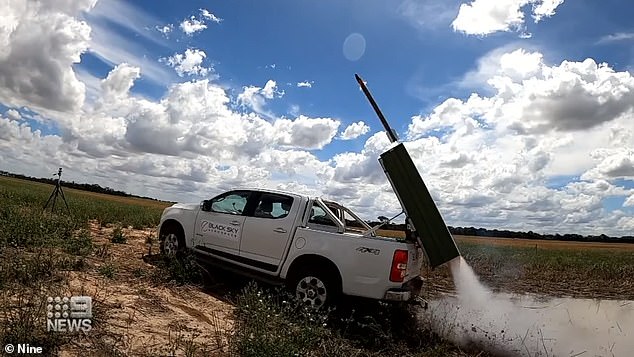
pixel 314 262
pixel 169 225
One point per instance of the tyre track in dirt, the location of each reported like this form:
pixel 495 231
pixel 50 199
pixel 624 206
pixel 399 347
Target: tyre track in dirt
pixel 137 315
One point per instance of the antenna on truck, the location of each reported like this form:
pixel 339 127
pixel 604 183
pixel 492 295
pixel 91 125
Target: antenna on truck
pixel 424 220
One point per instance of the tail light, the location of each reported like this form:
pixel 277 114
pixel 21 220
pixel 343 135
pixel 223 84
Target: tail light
pixel 399 266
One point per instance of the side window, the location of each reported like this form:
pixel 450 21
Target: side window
pixel 232 203
pixel 318 216
pixel 273 206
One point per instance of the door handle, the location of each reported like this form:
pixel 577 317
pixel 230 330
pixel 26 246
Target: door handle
pixel 279 230
pixel 235 223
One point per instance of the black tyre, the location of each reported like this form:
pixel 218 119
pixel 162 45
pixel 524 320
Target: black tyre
pixel 315 289
pixel 172 243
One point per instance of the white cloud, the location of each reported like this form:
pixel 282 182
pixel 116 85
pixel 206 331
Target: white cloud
pixel 13 114
pixel 304 132
pixel 626 224
pixel 535 97
pixel 165 29
pixel 188 63
pixel 613 163
pixel 255 97
pixel 119 81
pixel 354 130
pixel 494 154
pixel 545 8
pixel 484 17
pixel 192 25
pixel 305 84
pixel 40 43
pixel 209 16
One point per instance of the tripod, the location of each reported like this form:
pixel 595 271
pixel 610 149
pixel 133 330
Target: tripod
pixel 57 191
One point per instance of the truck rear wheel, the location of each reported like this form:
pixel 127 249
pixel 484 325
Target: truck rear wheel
pixel 314 289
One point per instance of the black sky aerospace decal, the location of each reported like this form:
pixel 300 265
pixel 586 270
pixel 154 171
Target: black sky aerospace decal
pixel 221 229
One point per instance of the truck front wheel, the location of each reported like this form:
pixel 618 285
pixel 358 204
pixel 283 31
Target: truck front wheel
pixel 314 289
pixel 172 243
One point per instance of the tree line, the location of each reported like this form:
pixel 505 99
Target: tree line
pixel 79 186
pixel 503 233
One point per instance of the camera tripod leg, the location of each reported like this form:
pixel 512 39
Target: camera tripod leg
pixel 64 198
pixel 49 200
pixel 54 200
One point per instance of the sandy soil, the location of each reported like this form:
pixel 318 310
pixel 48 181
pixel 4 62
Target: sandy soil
pixel 135 314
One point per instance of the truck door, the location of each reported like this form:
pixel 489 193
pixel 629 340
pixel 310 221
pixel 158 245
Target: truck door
pixel 267 231
pixel 219 229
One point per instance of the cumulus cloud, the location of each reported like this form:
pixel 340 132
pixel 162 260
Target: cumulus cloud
pixel 119 81
pixel 304 132
pixel 188 63
pixel 192 25
pixel 13 114
pixel 305 84
pixel 494 153
pixel 40 42
pixel 484 17
pixel 613 163
pixel 533 97
pixel 255 97
pixel 354 130
pixel 196 24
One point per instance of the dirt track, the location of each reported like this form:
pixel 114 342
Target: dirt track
pixel 138 316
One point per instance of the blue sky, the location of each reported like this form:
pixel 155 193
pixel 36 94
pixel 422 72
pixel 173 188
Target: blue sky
pixel 410 69
pixel 506 105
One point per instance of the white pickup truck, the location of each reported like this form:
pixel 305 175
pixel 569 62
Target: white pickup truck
pixel 319 249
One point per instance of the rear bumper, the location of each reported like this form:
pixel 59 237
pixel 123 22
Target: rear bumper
pixel 406 292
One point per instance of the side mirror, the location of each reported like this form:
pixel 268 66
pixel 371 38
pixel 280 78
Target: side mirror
pixel 205 205
pixel 383 219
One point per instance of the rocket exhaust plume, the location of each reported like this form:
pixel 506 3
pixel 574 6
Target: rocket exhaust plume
pixel 526 325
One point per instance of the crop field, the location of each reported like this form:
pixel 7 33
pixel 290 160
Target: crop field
pixel 106 248
pixel 554 268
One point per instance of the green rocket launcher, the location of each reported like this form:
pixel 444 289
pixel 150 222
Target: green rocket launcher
pixel 422 216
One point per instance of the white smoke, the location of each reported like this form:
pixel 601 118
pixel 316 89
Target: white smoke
pixel 527 325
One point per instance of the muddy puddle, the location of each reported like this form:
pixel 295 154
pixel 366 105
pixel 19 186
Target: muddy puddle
pixel 529 325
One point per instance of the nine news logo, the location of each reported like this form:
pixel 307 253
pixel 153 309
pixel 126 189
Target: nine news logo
pixel 69 314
